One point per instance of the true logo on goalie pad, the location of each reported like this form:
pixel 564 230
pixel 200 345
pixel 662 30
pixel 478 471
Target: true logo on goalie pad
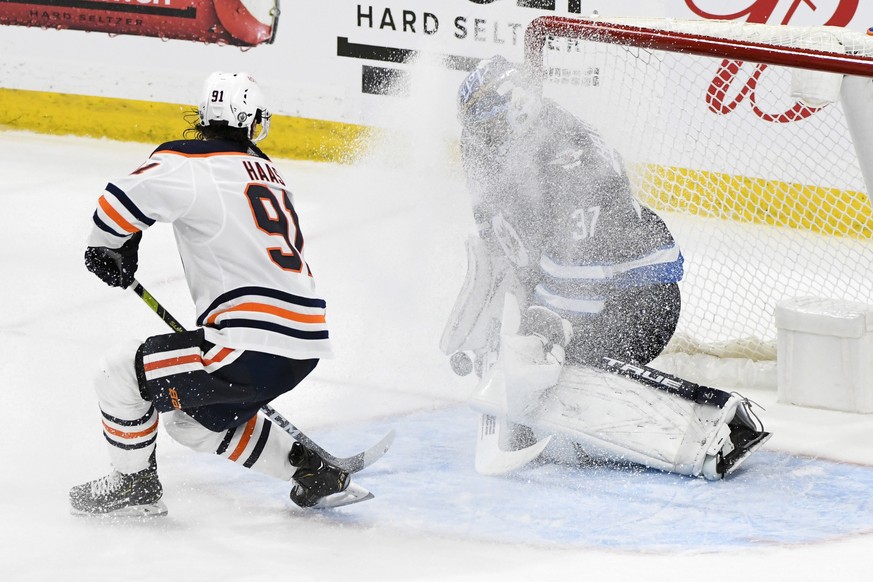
pixel 672 384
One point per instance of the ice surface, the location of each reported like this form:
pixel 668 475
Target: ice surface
pixel 385 240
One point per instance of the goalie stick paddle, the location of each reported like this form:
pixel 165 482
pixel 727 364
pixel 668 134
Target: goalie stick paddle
pixel 491 458
pixel 494 427
pixel 351 464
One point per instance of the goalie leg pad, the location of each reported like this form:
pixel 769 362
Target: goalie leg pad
pixel 619 418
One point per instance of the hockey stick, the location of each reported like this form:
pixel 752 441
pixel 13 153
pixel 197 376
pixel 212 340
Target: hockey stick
pixel 351 464
pixel 494 428
pixel 491 458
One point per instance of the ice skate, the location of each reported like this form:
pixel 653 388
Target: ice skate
pixel 120 495
pixel 746 436
pixel 743 442
pixel 318 484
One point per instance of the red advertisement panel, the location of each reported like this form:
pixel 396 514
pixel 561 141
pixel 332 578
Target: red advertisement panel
pixel 235 22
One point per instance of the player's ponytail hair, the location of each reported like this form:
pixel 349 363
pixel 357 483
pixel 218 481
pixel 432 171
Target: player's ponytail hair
pixel 213 131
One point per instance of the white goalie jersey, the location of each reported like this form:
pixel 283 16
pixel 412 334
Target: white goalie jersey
pixel 239 238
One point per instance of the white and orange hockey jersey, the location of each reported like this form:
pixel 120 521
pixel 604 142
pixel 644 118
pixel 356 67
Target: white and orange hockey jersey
pixel 239 238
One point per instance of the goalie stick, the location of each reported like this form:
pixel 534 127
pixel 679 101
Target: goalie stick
pixel 351 464
pixel 491 458
pixel 495 430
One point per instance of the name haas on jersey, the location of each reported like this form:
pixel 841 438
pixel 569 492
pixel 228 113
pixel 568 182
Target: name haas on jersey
pixel 262 172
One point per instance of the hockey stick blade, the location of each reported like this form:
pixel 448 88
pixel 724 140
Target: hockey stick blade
pixel 353 494
pixel 491 459
pixel 357 462
pixel 366 458
pixel 351 464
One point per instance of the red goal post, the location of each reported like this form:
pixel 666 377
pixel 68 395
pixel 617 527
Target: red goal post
pixel 667 39
pixel 753 141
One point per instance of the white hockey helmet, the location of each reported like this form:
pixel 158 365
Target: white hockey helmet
pixel 235 100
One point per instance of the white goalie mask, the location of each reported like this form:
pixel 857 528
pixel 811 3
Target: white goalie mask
pixel 235 100
pixel 524 107
pixel 496 101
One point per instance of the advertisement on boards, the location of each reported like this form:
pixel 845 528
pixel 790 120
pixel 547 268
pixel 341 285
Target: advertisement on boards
pixel 234 22
pixel 331 60
pixel 736 85
pixel 844 13
pixel 387 36
pixel 456 33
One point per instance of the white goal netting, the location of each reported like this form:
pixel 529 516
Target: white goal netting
pixel 750 161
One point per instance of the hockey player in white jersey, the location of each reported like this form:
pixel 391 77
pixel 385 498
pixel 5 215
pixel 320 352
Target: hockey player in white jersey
pixel 571 289
pixel 261 321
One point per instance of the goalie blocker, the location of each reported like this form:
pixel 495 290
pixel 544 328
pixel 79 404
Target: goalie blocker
pixel 618 411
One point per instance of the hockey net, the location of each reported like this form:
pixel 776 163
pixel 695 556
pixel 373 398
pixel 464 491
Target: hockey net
pixel 750 140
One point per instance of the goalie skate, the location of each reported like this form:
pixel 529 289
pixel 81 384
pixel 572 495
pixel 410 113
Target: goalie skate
pixel 120 495
pixel 744 439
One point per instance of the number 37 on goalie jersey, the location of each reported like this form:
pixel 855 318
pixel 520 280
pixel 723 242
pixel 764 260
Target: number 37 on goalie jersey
pixel 278 218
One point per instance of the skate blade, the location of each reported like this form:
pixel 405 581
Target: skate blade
pixel 353 494
pixel 147 510
pixel 763 438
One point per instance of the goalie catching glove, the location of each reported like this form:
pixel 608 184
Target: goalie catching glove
pixel 115 267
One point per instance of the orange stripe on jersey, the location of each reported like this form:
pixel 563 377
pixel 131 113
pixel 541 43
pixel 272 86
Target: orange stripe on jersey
pixel 223 353
pixel 171 362
pixel 244 439
pixel 115 216
pixel 189 359
pixel 270 309
pixel 131 435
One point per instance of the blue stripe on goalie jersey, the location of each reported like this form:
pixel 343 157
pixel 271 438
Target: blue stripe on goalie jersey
pixel 568 303
pixel 119 194
pixel 617 275
pixel 587 296
pixel 660 273
pixel 581 291
pixel 274 327
pixel 262 292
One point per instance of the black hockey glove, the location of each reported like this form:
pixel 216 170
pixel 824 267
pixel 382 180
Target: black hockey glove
pixel 115 267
